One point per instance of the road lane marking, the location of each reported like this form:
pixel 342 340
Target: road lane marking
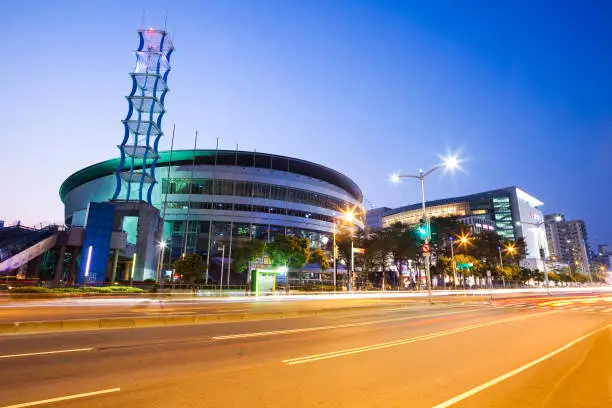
pixel 341 353
pixel 330 327
pixel 42 353
pixel 519 370
pixel 58 399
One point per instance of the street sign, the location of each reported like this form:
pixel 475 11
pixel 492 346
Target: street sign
pixel 426 248
pixel 359 250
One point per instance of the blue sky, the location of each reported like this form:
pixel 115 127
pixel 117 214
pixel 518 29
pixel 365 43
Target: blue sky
pixel 521 88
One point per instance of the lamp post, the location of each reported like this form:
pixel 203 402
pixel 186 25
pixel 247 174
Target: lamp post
pixel 222 264
pixel 501 265
pixel 450 163
pixel 511 249
pixel 453 262
pixel 541 248
pixel 335 256
pixel 160 261
pixel 463 240
pixel 348 216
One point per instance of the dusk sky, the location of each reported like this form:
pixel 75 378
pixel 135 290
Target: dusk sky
pixel 522 89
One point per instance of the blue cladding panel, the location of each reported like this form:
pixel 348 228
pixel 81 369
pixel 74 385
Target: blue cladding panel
pixel 98 230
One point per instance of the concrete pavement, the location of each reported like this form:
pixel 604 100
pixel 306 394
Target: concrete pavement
pixel 419 356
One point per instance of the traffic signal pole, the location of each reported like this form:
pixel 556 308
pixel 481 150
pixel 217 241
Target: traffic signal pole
pixel 427 237
pixel 450 163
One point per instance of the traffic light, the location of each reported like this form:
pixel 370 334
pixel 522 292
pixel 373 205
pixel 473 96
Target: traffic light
pixel 422 229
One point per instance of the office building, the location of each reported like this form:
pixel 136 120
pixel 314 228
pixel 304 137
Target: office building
pixel 510 212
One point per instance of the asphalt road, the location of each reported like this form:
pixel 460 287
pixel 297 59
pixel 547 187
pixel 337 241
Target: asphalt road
pixel 505 355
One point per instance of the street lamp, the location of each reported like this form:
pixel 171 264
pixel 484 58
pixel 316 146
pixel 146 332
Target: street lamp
pixel 450 163
pixel 541 248
pixel 348 216
pixel 160 261
pixel 511 249
pixel 463 240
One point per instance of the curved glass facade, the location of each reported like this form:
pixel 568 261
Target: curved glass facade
pixel 210 207
pixel 243 188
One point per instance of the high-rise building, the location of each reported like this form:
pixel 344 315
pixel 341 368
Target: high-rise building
pixel 603 249
pixel 568 242
pixel 511 212
pixel 552 222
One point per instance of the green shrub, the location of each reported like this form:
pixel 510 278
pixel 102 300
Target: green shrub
pixel 86 290
pixel 30 289
pixel 67 290
pixel 124 289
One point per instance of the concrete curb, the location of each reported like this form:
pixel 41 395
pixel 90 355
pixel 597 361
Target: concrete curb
pixel 53 326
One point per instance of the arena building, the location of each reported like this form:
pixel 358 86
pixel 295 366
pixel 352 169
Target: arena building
pixel 215 199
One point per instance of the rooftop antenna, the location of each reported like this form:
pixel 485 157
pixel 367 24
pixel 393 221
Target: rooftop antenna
pixel 144 12
pixel 165 20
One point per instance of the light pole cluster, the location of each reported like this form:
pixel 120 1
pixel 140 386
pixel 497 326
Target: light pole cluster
pixel 450 163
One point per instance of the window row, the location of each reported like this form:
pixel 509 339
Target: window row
pixel 201 205
pixel 252 189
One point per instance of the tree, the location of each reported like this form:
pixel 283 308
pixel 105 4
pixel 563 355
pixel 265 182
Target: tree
pixel 289 251
pixel 566 277
pixel 443 266
pixel 599 272
pixel 580 278
pixel 486 249
pixel 518 251
pixel 343 242
pixel 442 228
pixel 318 257
pixel 466 264
pixel 189 268
pixel 402 243
pixel 508 272
pixel 553 277
pixel 248 252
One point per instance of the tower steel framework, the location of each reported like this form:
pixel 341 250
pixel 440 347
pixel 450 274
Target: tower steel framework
pixel 143 122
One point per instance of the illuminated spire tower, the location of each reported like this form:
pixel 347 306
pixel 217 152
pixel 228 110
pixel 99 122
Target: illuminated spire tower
pixel 143 127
